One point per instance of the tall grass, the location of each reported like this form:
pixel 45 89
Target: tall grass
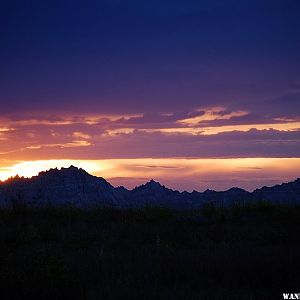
pixel 250 252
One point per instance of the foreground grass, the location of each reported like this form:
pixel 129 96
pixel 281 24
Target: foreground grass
pixel 66 253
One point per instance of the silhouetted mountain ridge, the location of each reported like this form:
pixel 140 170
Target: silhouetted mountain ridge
pixel 76 187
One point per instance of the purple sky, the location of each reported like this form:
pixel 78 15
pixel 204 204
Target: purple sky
pixel 94 80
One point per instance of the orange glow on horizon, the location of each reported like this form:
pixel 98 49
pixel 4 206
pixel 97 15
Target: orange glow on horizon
pixel 197 173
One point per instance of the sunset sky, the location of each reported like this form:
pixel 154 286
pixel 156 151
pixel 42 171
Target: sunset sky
pixel 195 94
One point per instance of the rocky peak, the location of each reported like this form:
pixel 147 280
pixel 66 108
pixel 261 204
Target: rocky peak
pixel 71 173
pixel 236 190
pixel 151 186
pixel 69 170
pixel 13 180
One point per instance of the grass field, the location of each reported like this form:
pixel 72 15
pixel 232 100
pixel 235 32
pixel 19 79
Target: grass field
pixel 66 253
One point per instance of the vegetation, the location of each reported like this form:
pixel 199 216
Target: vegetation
pixel 248 252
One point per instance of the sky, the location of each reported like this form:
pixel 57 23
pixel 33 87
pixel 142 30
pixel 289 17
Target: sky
pixel 195 94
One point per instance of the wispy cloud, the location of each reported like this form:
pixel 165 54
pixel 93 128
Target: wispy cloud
pixel 212 114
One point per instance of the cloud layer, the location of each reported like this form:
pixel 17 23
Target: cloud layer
pixel 214 132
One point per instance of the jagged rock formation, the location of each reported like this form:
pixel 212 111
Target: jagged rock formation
pixel 286 193
pixel 154 194
pixel 66 186
pixel 72 186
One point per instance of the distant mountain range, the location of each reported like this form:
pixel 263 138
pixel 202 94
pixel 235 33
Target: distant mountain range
pixel 73 186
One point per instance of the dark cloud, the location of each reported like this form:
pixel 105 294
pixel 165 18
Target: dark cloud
pixel 156 167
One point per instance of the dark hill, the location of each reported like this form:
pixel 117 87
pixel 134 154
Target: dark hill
pixel 75 187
